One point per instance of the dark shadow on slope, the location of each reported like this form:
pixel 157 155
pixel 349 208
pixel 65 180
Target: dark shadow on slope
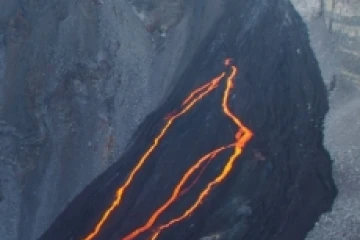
pixel 279 94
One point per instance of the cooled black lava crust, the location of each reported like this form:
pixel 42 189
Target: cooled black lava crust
pixel 279 94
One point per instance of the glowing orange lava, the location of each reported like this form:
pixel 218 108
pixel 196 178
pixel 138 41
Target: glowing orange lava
pixel 242 136
pixel 175 193
pixel 190 102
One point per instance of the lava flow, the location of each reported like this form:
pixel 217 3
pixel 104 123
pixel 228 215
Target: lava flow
pixel 193 98
pixel 242 136
pixel 175 193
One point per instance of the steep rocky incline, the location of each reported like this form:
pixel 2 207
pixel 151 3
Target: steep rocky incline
pixel 70 67
pixel 279 185
pixel 66 68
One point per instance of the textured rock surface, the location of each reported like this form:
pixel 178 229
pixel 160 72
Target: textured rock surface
pixel 66 68
pixel 70 67
pixel 335 32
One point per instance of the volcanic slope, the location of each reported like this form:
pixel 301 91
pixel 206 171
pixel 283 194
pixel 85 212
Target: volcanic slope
pixel 252 98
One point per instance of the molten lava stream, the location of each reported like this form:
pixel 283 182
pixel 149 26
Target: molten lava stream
pixel 177 191
pixel 242 136
pixel 186 189
pixel 193 98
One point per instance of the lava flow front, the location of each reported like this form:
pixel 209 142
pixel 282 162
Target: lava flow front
pixel 241 138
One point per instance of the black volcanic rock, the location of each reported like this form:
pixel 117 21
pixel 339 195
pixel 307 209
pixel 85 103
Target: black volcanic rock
pixel 281 183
